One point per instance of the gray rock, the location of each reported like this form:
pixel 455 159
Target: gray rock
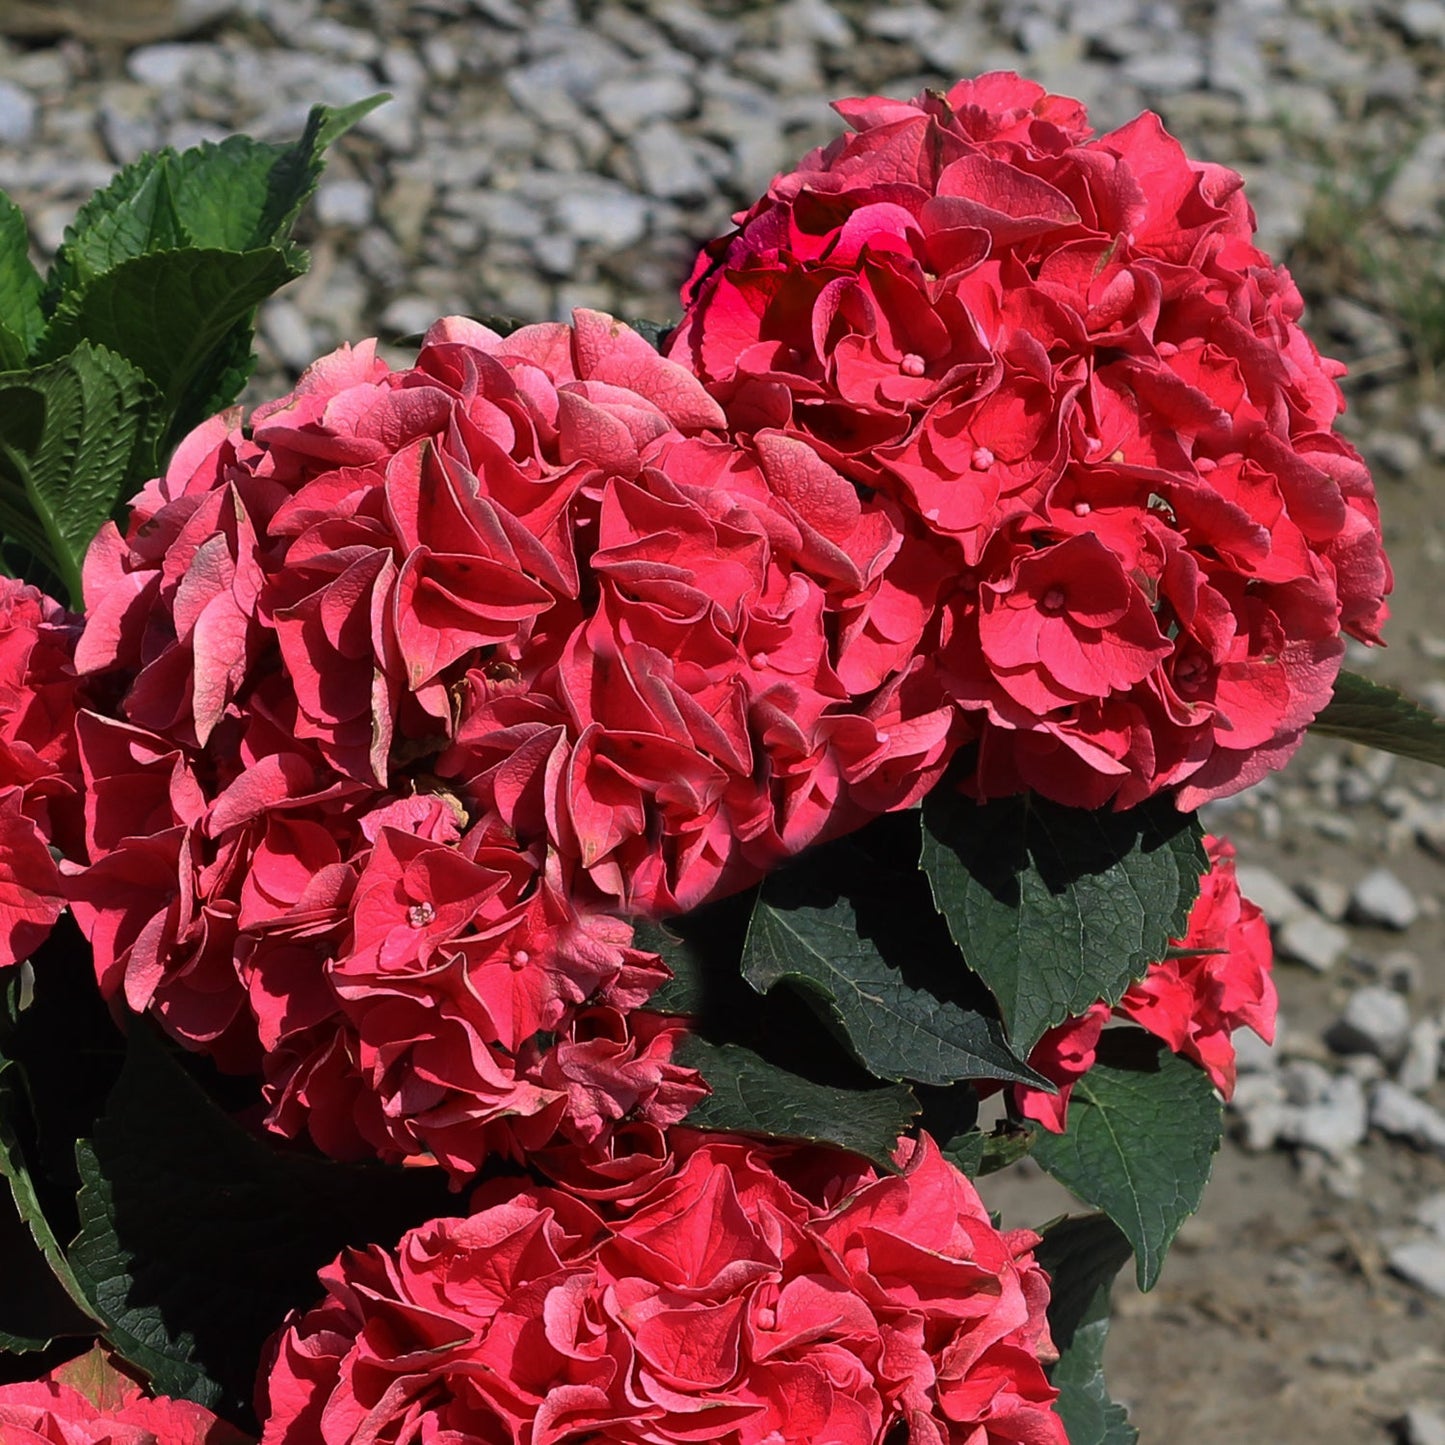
pixel 1430 1212
pixel 1411 201
pixel 628 101
pixel 1313 941
pixel 1421 1065
pixel 1329 898
pixel 1398 1113
pixel 408 316
pixel 1382 899
pixel 1422 1425
pixel 1165 71
pixel 288 333
pixel 668 164
pixel 1252 1055
pixel 1399 969
pixel 345 202
pixel 1375 1021
pixel 1422 19
pixel 17 114
pixel 610 219
pixel 1395 452
pixel 1422 1263
pixel 1333 1123
pixel 1304 1082
pixel 170 65
pixel 1275 898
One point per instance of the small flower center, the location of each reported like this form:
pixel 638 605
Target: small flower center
pixel 982 459
pixel 521 958
pixel 912 365
pixel 767 1319
pixel 759 660
pixel 1205 464
pixel 1082 509
pixel 420 914
pixel 1190 671
pixel 1054 599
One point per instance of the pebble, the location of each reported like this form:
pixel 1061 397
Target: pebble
pixel 1275 898
pixel 1333 1123
pixel 1412 199
pixel 1422 1425
pixel 1430 1212
pixel 345 202
pixel 668 165
pixel 1422 1263
pixel 1327 897
pixel 629 101
pixel 1375 1021
pixel 1420 1066
pixel 17 114
pixel 1397 1112
pixel 1381 898
pixel 1313 941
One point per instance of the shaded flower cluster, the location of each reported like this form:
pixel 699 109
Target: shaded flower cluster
pixel 752 1300
pixel 1067 363
pixel 1217 980
pixel 426 675
pixel 39 773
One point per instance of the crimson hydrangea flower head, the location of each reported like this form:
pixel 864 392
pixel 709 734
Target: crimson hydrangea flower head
pixel 1218 980
pixel 426 674
pixel 39 773
pixel 751 1299
pixel 1063 356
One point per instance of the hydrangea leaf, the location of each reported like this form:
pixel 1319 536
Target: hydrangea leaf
pixel 1362 711
pixel 244 193
pixel 41 1299
pixel 814 942
pixel 1143 1128
pixel 237 196
pixel 1082 1255
pixel 1055 907
pixel 751 1096
pixel 178 1203
pixel 21 319
pixel 70 432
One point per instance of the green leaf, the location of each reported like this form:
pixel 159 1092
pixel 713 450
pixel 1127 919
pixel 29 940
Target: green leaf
pixel 196 1237
pixel 21 319
pixel 1367 712
pixel 69 434
pixel 751 1096
pixel 41 1298
pixel 169 311
pixel 1082 1256
pixel 894 1030
pixel 134 214
pixel 1054 907
pixel 685 993
pixel 243 193
pixel 1143 1129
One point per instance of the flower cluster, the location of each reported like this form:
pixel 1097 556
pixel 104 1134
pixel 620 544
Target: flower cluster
pixel 1066 362
pixel 749 1300
pixel 425 675
pixel 1216 980
pixel 39 775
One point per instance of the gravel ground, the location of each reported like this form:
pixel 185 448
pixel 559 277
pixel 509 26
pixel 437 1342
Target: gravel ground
pixel 542 156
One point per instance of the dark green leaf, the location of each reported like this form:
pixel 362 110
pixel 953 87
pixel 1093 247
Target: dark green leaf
pixel 196 1238
pixel 751 1096
pixel 21 319
pixel 69 433
pixel 169 311
pixel 41 1298
pixel 1082 1256
pixel 1058 907
pixel 685 992
pixel 1367 712
pixel 1143 1128
pixel 134 214
pixel 895 1031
